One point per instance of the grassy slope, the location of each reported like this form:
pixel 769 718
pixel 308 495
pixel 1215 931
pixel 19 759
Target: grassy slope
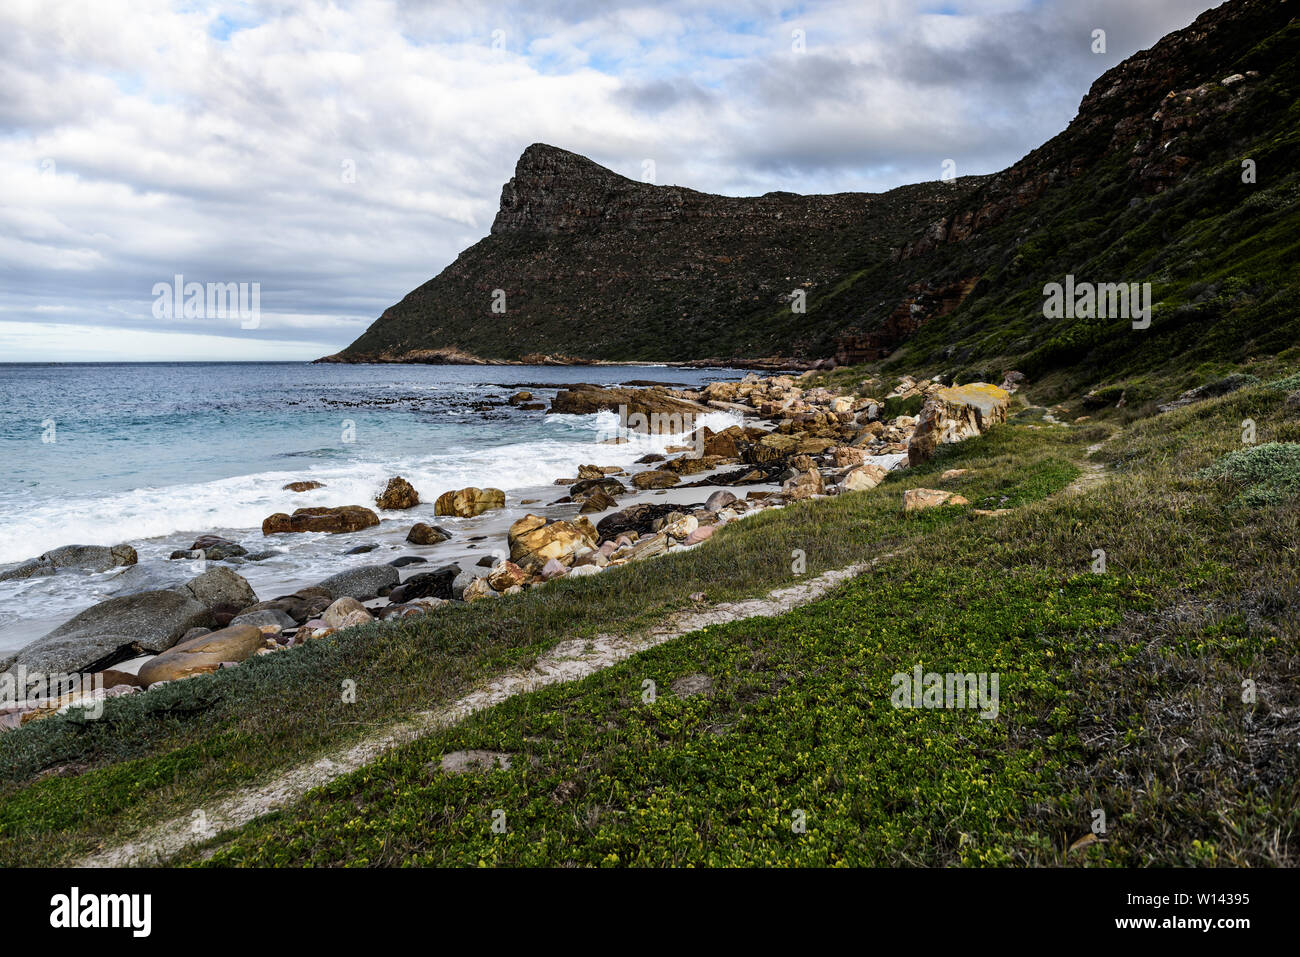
pixel 1120 691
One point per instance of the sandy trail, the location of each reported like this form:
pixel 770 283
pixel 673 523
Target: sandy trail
pixel 567 661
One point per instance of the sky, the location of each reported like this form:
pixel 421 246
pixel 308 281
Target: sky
pixel 335 155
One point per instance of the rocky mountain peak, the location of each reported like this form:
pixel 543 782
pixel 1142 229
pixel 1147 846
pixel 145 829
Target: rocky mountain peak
pixel 554 192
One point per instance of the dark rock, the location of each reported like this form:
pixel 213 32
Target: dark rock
pixel 434 584
pixel 362 583
pixel 638 518
pixel 361 549
pixel 407 560
pixel 423 534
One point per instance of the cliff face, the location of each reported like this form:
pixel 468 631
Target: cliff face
pixel 590 264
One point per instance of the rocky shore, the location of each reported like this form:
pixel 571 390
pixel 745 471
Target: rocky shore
pixel 794 443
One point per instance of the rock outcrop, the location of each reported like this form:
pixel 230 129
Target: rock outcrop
pixel 955 414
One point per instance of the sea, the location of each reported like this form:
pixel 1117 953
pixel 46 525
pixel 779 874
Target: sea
pixel 156 454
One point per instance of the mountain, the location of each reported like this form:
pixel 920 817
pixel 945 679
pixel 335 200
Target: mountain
pixel 1146 184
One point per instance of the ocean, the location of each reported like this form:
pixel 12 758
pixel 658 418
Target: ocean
pixel 155 454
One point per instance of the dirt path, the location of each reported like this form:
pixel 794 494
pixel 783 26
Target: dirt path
pixel 567 661
pixel 1094 473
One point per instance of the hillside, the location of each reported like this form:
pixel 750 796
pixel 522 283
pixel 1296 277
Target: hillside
pixel 1144 185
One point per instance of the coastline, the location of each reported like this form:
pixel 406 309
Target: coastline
pixel 788 443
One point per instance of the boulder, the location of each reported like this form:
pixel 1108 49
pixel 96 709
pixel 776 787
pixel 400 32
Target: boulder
pixel 657 478
pixel 954 414
pixel 505 575
pixel 272 619
pixel 468 502
pixel 862 478
pixel 479 588
pixel 579 491
pixel 113 631
pixel 597 501
pixel 916 499
pixel 534 540
pixel 363 582
pixel 422 534
pixel 90 558
pixel 220 586
pixel 302 486
pixel 439 583
pixel 701 534
pixel 398 494
pixel 204 654
pixel 719 500
pixel 682 528
pixel 804 485
pixel 345 613
pixel 640 518
pixel 342 518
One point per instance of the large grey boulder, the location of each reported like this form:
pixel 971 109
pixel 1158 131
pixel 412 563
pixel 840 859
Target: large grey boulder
pixel 361 583
pixel 128 625
pixel 220 586
pixel 91 558
pixel 114 630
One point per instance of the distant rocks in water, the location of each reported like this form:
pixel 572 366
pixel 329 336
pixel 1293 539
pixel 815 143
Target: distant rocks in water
pixel 398 495
pixel 302 486
pixel 203 655
pixel 213 548
pixel 361 549
pixel 89 558
pixel 342 518
pixel 519 398
pixel 423 534
pixel 468 502
pixel 365 582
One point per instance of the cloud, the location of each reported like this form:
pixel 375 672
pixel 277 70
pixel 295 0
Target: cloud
pixel 341 153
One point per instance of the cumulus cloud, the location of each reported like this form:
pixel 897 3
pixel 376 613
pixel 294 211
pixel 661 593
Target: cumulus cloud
pixel 341 153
